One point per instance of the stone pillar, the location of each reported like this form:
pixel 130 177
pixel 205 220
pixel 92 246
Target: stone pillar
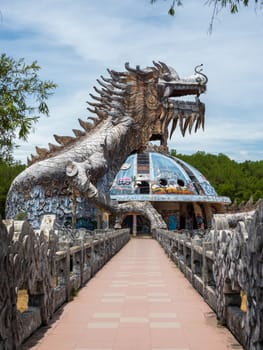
pixel 105 220
pixel 208 214
pixel 134 225
pixel 98 217
pixel 198 216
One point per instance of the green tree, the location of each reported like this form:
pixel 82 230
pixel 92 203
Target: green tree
pixel 23 98
pixel 7 174
pixel 239 181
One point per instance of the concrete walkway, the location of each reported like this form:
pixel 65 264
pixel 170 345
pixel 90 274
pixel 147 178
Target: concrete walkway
pixel 138 301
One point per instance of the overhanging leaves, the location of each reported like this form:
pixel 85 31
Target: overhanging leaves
pixel 22 101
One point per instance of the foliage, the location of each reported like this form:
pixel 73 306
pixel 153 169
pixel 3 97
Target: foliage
pixel 171 11
pixel 7 173
pixel 239 181
pixel 22 100
pixel 217 5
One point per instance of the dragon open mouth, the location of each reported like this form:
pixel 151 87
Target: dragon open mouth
pixel 190 115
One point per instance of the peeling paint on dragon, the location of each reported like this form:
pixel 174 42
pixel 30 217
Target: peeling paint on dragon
pixel 132 108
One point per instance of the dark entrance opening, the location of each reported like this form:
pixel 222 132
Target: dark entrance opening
pixel 163 182
pixel 144 187
pixel 143 225
pixel 127 223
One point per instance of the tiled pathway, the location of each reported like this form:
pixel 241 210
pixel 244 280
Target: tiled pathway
pixel 138 301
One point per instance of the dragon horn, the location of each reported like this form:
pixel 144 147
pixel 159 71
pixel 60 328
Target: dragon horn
pixel 101 114
pixel 158 66
pixel 138 70
pixel 107 80
pixel 107 87
pixel 129 69
pixel 200 73
pixel 116 74
pixel 91 110
pixel 165 67
pixel 95 104
pixel 96 98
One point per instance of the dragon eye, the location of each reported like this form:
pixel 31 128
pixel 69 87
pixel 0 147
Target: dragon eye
pixel 167 77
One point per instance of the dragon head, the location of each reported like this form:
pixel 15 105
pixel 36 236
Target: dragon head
pixel 152 98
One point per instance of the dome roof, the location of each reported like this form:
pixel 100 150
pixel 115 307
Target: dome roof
pixel 157 177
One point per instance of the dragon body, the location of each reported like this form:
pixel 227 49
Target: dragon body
pixel 131 108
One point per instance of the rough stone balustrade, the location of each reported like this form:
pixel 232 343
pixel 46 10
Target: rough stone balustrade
pixel 51 267
pixel 225 265
pixel 77 264
pixel 194 258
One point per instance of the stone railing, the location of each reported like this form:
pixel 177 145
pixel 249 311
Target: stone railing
pixel 194 257
pixel 225 265
pixel 49 266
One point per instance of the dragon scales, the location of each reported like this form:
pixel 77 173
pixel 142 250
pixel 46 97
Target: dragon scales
pixel 131 108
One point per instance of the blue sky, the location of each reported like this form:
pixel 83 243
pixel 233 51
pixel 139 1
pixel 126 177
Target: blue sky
pixel 75 41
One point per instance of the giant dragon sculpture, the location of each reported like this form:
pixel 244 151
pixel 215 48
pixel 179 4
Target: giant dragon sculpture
pixel 131 108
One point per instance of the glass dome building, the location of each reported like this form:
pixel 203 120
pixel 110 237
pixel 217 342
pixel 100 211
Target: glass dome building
pixel 179 192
